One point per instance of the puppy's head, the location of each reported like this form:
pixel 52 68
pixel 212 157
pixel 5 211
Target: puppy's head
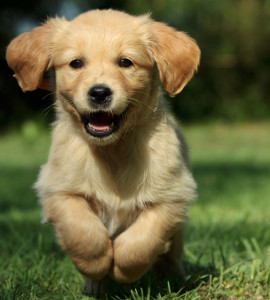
pixel 106 65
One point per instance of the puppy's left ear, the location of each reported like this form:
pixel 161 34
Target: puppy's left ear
pixel 177 57
pixel 28 55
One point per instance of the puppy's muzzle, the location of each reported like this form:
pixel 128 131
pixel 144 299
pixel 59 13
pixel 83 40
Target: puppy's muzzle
pixel 100 96
pixel 101 122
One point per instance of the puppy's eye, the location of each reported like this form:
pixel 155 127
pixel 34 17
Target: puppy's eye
pixel 76 63
pixel 125 63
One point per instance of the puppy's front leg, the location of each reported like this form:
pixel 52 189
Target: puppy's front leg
pixel 140 245
pixel 80 233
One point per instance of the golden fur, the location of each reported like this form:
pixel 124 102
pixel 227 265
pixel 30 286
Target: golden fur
pixel 118 203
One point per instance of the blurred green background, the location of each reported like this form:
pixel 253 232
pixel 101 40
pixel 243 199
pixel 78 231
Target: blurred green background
pixel 233 82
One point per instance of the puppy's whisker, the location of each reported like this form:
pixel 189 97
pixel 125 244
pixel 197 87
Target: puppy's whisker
pixel 48 109
pixel 144 94
pixel 140 103
pixel 48 95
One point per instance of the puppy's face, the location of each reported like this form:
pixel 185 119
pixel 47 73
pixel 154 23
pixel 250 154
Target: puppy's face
pixel 106 66
pixel 104 72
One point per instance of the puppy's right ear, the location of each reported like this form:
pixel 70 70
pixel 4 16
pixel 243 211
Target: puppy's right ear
pixel 28 55
pixel 177 57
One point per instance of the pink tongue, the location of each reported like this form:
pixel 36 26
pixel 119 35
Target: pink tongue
pixel 101 121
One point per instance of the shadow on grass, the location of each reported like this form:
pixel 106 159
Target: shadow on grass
pixel 16 190
pixel 229 178
pixel 231 168
pixel 156 285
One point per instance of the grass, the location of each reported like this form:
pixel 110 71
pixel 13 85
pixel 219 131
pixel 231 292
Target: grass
pixel 227 249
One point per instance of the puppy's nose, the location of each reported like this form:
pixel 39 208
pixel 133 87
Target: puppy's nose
pixel 100 94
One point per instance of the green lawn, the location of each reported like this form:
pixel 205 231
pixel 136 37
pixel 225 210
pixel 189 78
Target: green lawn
pixel 227 249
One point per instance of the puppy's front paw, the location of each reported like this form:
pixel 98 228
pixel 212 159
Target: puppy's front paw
pixel 133 257
pixel 92 263
pixel 128 264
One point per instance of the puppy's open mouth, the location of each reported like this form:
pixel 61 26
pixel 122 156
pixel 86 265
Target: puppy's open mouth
pixel 102 124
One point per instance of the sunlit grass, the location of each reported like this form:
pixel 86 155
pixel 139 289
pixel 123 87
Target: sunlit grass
pixel 227 249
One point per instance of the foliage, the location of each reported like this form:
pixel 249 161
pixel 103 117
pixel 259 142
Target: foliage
pixel 234 36
pixel 227 250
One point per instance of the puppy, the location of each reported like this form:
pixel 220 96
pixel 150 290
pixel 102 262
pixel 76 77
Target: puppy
pixel 117 184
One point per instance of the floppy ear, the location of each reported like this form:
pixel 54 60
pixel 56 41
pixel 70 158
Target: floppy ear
pixel 177 57
pixel 29 55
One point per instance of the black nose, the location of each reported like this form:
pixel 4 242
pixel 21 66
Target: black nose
pixel 100 94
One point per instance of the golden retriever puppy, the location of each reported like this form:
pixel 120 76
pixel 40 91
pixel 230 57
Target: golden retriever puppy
pixel 117 184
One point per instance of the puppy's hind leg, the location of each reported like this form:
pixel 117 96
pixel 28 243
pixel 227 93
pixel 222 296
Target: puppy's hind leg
pixel 94 287
pixel 170 264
